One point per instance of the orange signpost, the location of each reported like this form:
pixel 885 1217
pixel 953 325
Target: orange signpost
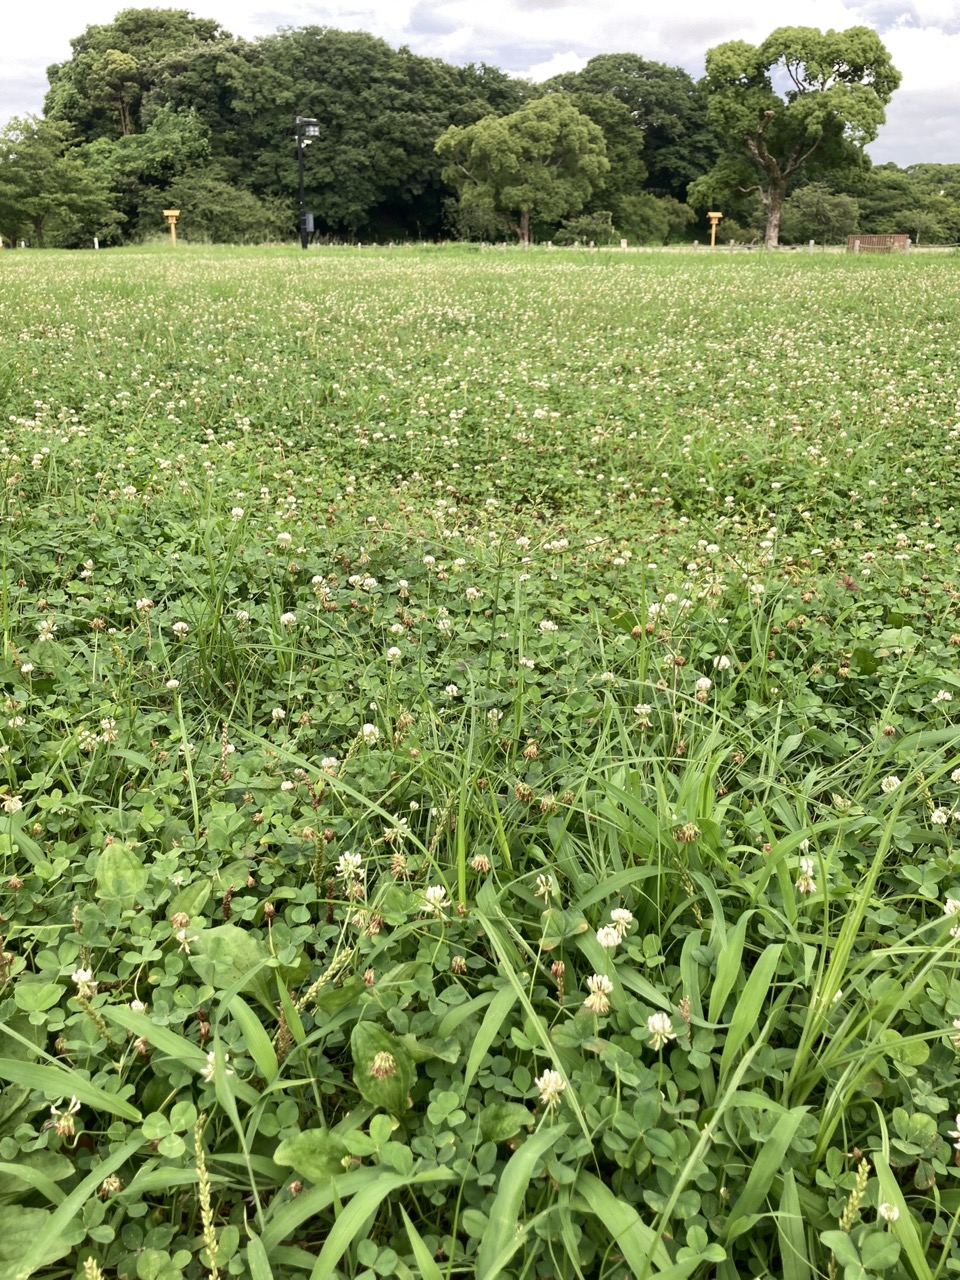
pixel 171 216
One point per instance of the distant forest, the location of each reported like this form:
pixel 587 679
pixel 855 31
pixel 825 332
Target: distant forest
pixel 160 109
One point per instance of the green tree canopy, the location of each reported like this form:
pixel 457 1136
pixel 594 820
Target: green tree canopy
pixel 46 191
pixel 623 141
pixel 801 98
pixel 667 108
pixel 814 212
pixel 379 110
pixel 175 143
pixel 99 90
pixel 543 161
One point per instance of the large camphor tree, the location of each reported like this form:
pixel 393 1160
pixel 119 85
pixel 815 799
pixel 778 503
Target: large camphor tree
pixel 803 99
pixel 541 162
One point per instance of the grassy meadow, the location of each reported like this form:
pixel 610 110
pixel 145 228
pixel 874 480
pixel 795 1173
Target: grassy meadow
pixel 480 766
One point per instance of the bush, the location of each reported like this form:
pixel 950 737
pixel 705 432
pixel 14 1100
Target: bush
pixel 586 227
pixel 212 211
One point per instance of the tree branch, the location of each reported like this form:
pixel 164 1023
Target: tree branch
pixel 796 159
pixel 793 76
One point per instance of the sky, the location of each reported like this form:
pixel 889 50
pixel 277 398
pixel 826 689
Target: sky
pixel 540 38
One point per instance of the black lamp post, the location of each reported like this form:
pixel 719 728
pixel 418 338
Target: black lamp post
pixel 307 130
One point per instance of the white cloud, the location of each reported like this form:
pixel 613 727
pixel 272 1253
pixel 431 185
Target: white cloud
pixel 923 114
pixel 540 38
pixel 556 65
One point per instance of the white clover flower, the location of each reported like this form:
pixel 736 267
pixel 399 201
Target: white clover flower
pixel 954 777
pixel 80 977
pixel 955 1133
pixel 288 619
pixel 236 513
pixel 547 624
pixel 607 677
pixel 27 667
pixel 622 920
pixel 242 616
pixel 371 734
pixel 805 881
pixel 278 714
pixel 889 784
pixel 329 763
pixel 888 1212
pixel 551 1085
pixel 545 886
pixel 12 804
pixel 350 867
pixel 284 539
pixel 473 594
pixel 144 604
pixel 180 629
pixel 722 662
pixel 173 684
pixel 661 1030
pixel 394 654
pixel 942 695
pixel 609 937
pixel 599 986
pixel 704 684
pixel 287 785
pixel 208 1071
pixel 62 1118
pixel 435 900
pixel 940 817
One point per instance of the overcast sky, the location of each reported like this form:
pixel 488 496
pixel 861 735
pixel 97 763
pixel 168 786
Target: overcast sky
pixel 538 38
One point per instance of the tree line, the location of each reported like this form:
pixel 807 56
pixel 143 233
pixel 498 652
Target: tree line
pixel 161 109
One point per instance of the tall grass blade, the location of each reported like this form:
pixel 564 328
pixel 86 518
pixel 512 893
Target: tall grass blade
pixel 501 1239
pixel 639 1244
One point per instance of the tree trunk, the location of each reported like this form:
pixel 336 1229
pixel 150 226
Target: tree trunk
pixel 523 229
pixel 776 194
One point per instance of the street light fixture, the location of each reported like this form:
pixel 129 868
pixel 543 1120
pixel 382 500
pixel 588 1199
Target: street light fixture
pixel 307 130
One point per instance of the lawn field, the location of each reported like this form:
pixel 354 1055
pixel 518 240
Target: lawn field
pixel 480 765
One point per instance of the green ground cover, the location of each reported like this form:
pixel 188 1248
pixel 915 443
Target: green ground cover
pixel 481 765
